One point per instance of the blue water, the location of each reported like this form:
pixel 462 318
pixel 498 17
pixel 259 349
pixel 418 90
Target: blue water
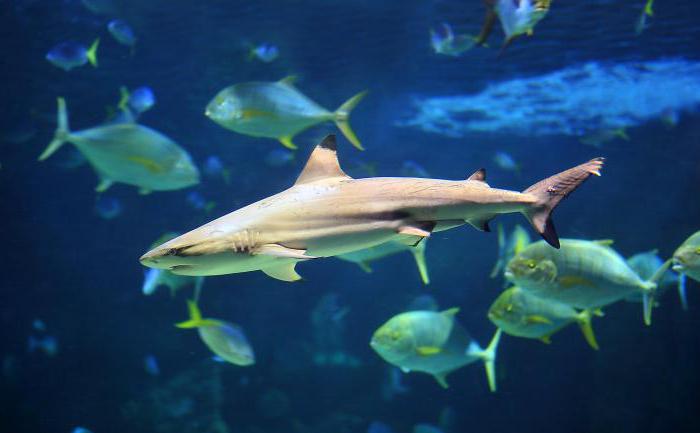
pixel 79 272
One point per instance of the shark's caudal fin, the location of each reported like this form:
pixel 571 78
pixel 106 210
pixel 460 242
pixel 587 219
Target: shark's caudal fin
pixel 488 356
pixel 549 192
pixel 584 322
pixel 195 320
pixel 650 291
pixel 62 131
pixel 342 119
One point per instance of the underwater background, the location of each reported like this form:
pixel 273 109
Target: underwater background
pixel 74 266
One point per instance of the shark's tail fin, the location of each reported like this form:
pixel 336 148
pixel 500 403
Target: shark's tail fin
pixel 62 131
pixel 650 291
pixel 341 116
pixel 549 192
pixel 488 356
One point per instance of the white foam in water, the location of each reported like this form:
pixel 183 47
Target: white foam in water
pixel 573 101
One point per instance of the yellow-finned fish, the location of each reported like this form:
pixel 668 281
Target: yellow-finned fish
pixel 520 313
pixel 517 17
pixel 276 110
pixel 583 274
pixel 509 246
pixel 224 339
pixel 364 257
pixel 128 153
pixel 645 265
pixel 686 261
pixel 432 342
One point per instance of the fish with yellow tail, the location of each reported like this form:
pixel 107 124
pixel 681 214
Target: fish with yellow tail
pixel 276 110
pixel 520 313
pixel 509 246
pixel 327 213
pixel 583 274
pixel 363 258
pixel 517 17
pixel 432 342
pixel 224 339
pixel 127 153
pixel 686 261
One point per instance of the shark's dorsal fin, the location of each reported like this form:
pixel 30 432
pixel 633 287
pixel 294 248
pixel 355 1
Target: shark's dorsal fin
pixel 323 163
pixel 479 175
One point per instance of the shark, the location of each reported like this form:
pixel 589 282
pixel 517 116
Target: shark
pixel 327 213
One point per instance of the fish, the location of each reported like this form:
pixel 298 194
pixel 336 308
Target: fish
pixel 215 168
pixel 445 42
pixel 645 265
pixel 122 32
pixel 279 157
pixel 686 261
pixel 604 136
pixel 363 257
pixel 647 12
pixel 129 153
pixel 150 365
pixel 69 55
pixel 423 302
pixel 327 213
pixel 276 110
pixel 108 207
pixel 432 342
pixel 426 428
pixel 509 246
pixel 198 202
pixel 506 162
pixel 39 325
pixel 520 313
pixel 80 430
pixel 48 345
pixel 141 99
pixel 100 7
pixel 264 52
pixel 583 274
pixel 224 339
pixel 517 17
pixel 154 278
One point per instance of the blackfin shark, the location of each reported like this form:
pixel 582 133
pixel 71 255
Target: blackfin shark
pixel 327 213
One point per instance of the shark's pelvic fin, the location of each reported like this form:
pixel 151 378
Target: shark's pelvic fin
pixel 277 250
pixel 284 272
pixel 323 163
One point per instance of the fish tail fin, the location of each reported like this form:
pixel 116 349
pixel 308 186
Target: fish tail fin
pixel 549 192
pixel 681 292
pixel 648 8
pixel 584 322
pixel 195 319
pixel 419 256
pixel 622 133
pixel 501 251
pixel 62 131
pixel 124 97
pixel 92 52
pixel 650 291
pixel 341 117
pixel 488 356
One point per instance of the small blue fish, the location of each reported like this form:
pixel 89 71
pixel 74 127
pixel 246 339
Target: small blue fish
pixel 142 99
pixel 81 430
pixel 445 42
pixel 214 168
pixel 279 157
pixel 39 325
pixel 506 162
pixel 48 345
pixel 150 364
pixel 413 169
pixel 108 207
pixel 197 201
pixel 265 53
pixel 69 55
pixel 122 32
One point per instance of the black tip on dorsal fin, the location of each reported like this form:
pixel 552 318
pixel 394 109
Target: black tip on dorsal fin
pixel 479 175
pixel 329 143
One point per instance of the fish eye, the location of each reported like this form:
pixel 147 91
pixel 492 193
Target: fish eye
pixel 219 100
pixel 509 308
pixel 531 264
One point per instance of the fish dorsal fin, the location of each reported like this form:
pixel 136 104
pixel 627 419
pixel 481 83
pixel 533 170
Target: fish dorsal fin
pixel 323 163
pixel 289 80
pixel 604 242
pixel 451 312
pixel 479 175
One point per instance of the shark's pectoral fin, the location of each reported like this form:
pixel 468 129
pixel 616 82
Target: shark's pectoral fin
pixel 417 231
pixel 284 272
pixel 277 250
pixel 481 223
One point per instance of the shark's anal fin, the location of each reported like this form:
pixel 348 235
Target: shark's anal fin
pixel 284 272
pixel 277 250
pixel 323 163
